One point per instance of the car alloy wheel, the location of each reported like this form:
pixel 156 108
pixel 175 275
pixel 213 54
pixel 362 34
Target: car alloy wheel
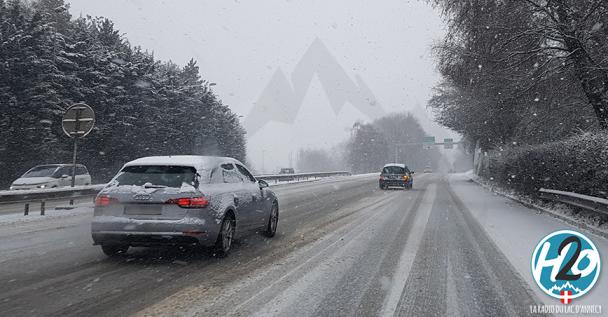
pixel 227 235
pixel 273 221
pixel 224 239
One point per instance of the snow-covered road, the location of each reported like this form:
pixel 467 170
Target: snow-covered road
pixel 447 247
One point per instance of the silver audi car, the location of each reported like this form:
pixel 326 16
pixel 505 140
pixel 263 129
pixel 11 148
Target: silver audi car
pixel 182 200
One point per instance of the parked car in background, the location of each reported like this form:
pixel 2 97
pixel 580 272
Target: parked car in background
pixel 396 175
pixel 287 170
pixel 52 176
pixel 182 200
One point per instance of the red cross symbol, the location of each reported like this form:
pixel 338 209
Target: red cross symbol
pixel 566 297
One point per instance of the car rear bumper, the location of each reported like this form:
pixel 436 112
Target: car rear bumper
pixel 395 183
pixel 152 232
pixel 145 239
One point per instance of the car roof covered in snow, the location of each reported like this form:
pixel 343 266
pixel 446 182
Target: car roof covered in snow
pixel 196 161
pixel 395 164
pixel 55 165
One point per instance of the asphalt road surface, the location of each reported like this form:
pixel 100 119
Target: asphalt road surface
pixel 344 248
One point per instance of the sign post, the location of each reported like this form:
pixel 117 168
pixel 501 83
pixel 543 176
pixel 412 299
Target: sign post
pixel 78 121
pixel 448 144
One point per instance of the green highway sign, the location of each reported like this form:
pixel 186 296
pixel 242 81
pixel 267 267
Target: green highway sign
pixel 429 139
pixel 428 142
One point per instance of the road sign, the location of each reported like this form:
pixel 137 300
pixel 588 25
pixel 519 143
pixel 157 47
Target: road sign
pixel 78 120
pixel 448 144
pixel 428 142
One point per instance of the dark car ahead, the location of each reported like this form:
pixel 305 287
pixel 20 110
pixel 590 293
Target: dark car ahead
pixel 287 170
pixel 396 175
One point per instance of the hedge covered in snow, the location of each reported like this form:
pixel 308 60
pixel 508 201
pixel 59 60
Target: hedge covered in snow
pixel 578 164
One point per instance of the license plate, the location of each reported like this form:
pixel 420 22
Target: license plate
pixel 143 210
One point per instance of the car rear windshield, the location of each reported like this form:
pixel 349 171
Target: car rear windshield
pixel 166 176
pixel 41 171
pixel 393 170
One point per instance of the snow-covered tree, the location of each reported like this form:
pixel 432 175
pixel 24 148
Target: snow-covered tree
pixel 49 61
pixel 523 70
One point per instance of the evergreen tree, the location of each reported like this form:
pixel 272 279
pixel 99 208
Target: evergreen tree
pixel 143 107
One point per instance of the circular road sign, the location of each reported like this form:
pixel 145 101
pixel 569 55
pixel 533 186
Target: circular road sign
pixel 78 120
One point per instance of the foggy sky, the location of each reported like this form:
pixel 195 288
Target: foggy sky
pixel 240 45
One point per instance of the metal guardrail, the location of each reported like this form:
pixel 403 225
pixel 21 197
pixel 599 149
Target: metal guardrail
pixel 596 204
pixel 42 195
pixel 16 196
pixel 300 176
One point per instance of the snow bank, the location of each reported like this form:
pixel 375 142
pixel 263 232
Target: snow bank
pixel 34 216
pixel 591 221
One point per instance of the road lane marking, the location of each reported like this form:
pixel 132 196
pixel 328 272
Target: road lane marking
pixel 339 238
pixel 311 291
pixel 408 253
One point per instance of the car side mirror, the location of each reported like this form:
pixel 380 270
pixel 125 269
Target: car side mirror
pixel 262 184
pixel 413 172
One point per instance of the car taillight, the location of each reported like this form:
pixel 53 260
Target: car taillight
pixel 103 200
pixel 192 202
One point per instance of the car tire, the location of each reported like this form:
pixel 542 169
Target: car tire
pixel 114 249
pixel 273 221
pixel 382 187
pixel 224 238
